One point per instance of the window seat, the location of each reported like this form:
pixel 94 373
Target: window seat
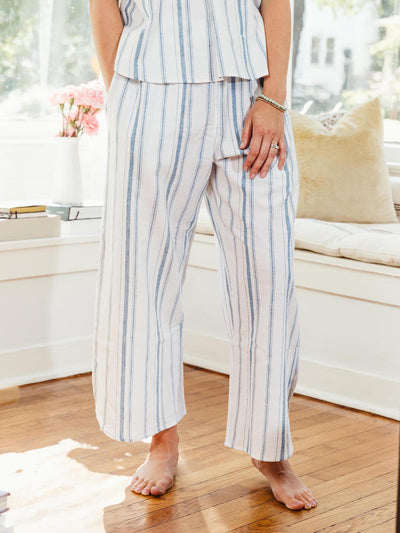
pixel 348 287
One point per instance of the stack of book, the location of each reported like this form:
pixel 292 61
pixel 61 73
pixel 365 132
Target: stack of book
pixel 21 220
pixel 78 219
pixel 4 528
pixel 397 209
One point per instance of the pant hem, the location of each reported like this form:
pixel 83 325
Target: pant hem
pixel 257 457
pixel 168 423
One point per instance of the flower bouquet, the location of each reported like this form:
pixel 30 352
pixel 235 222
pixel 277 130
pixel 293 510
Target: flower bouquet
pixel 79 106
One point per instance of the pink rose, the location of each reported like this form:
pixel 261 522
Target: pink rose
pixel 96 89
pixel 54 98
pixel 90 94
pixel 70 92
pixel 82 96
pixel 57 97
pixel 90 124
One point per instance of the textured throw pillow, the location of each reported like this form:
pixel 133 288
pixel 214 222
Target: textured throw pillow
pixel 329 118
pixel 343 172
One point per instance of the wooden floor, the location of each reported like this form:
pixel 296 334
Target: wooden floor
pixel 65 475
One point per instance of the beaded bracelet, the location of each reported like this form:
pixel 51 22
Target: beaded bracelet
pixel 272 102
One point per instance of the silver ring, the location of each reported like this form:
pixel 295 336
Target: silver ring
pixel 274 146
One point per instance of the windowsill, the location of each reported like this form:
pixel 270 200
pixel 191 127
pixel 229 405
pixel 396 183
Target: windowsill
pixel 46 242
pixel 48 256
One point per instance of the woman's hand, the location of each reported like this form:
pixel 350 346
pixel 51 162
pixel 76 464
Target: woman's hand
pixel 264 125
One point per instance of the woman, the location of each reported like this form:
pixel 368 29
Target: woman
pixel 182 81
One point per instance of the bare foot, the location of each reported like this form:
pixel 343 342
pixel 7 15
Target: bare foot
pixel 156 475
pixel 285 485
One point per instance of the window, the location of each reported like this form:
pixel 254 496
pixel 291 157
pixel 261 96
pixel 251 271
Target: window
pixel 362 57
pixel 330 51
pixel 44 44
pixel 315 48
pixel 344 51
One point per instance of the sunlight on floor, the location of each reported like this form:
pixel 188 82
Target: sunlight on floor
pixel 51 491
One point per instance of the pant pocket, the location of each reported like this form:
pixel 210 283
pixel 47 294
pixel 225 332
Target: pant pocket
pixel 110 88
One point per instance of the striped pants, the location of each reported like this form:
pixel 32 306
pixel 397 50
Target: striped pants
pixel 169 146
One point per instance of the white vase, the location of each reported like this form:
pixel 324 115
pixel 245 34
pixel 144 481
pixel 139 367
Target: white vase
pixel 67 183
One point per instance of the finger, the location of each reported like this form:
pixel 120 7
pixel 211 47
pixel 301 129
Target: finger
pixel 271 155
pixel 255 146
pixel 246 134
pixel 262 156
pixel 282 152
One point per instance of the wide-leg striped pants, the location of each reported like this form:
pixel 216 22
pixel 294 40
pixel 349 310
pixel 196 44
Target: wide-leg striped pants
pixel 168 145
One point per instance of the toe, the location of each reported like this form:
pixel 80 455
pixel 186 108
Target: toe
pixel 143 484
pixel 295 504
pixel 309 496
pixel 161 486
pixel 307 500
pixel 157 491
pixel 136 481
pixel 313 502
pixel 139 485
pixel 147 488
pixel 308 491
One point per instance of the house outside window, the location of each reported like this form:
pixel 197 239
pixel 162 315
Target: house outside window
pixel 362 57
pixel 330 51
pixel 315 49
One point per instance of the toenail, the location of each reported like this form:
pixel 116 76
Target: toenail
pixel 314 502
pixel 307 505
pixel 145 491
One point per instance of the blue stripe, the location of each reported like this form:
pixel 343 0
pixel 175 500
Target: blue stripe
pixel 149 242
pixel 167 245
pixel 284 441
pixel 105 211
pixel 181 42
pixel 271 315
pixel 127 277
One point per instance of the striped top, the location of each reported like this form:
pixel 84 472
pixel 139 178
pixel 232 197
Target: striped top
pixel 191 40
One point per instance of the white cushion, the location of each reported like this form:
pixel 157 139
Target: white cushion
pixel 321 236
pixel 372 243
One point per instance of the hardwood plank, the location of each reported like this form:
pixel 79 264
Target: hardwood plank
pixel 385 527
pixel 329 508
pixel 347 457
